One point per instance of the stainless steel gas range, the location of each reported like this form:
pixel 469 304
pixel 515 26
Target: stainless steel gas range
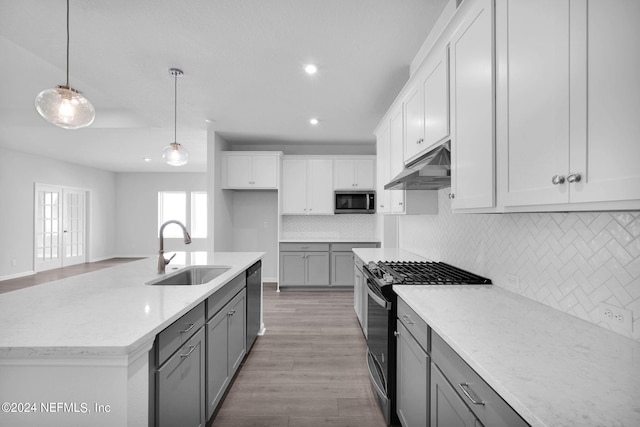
pixel 381 317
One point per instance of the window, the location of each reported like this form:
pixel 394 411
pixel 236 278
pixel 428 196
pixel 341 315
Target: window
pixel 190 208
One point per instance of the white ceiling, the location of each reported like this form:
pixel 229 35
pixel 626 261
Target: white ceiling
pixel 242 63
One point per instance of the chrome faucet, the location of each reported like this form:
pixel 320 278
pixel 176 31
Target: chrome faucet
pixel 162 261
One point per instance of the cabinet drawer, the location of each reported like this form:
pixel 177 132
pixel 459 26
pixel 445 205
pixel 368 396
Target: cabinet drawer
pixel 348 247
pixel 493 411
pixel 414 324
pixel 304 247
pixel 179 332
pixel 222 296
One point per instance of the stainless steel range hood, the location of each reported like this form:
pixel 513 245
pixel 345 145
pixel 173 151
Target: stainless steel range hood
pixel 429 172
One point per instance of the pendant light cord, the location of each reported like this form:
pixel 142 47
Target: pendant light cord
pixel 67 43
pixel 175 108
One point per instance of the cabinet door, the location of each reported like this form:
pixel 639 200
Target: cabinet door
pixel 412 382
pixel 344 174
pixel 317 268
pixel 383 168
pixel 533 49
pixel 265 172
pixel 181 388
pixel 413 123
pixel 605 100
pixel 396 160
pixel 238 171
pixel 319 186
pixel 472 93
pixel 447 409
pixel 294 186
pixel 357 292
pixel 436 100
pixel 365 174
pixel 236 310
pixel 292 268
pixel 341 268
pixel 218 376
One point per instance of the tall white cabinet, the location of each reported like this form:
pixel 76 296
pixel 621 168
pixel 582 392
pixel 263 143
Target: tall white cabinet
pixel 570 97
pixel 307 186
pixel 472 106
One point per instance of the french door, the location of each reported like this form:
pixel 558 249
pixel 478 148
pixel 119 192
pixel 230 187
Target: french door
pixel 60 227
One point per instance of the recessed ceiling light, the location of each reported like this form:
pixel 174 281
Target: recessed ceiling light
pixel 313 121
pixel 310 68
pixel 146 159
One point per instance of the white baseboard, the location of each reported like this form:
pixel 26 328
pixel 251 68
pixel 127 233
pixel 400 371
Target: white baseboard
pixel 16 275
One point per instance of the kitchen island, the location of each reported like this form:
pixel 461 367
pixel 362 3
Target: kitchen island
pixel 76 351
pixel 552 368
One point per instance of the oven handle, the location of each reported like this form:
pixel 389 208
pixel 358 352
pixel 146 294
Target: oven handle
pixel 381 302
pixel 370 368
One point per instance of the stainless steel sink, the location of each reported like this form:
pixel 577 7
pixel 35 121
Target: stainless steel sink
pixel 196 275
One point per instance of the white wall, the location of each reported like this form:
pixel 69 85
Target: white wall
pixel 255 227
pixel 569 261
pixel 137 211
pixel 220 201
pixel 18 174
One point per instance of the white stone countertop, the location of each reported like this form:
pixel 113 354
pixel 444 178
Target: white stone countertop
pixel 329 240
pixel 552 368
pixel 105 312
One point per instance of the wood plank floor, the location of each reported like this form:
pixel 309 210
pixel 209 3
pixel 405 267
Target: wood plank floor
pixel 308 369
pixel 58 273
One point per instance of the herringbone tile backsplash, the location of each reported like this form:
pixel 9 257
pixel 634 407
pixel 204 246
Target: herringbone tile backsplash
pixel 569 261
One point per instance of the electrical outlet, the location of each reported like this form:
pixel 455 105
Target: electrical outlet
pixel 617 318
pixel 513 282
pixel 14 262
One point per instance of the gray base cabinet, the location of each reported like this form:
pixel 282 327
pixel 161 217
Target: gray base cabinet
pixel 226 347
pixel 304 264
pixel 342 268
pixel 318 264
pixel 447 408
pixel 412 386
pixel 180 379
pixel 436 387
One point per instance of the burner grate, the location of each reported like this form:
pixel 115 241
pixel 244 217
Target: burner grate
pixel 430 273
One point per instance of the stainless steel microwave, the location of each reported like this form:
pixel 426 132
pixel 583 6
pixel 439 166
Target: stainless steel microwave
pixel 355 202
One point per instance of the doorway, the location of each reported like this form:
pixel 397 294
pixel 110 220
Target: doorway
pixel 60 227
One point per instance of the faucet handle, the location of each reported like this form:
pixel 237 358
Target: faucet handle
pixel 167 261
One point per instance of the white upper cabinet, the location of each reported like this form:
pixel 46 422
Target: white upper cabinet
pixel 382 166
pixel 605 101
pixel 472 106
pixel 395 160
pixel 426 107
pixel 354 174
pixel 250 170
pixel 307 186
pixel 569 99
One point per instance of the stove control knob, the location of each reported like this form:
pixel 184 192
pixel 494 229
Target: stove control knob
pixel 388 278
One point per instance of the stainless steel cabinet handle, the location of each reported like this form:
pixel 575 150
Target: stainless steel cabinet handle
pixel 396 333
pixel 189 327
pixel 467 392
pixel 420 141
pixel 574 177
pixel 557 179
pixel 452 196
pixel 407 320
pixel 191 348
pixel 231 313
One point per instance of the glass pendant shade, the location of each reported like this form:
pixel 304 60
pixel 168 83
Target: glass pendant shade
pixel 65 107
pixel 175 155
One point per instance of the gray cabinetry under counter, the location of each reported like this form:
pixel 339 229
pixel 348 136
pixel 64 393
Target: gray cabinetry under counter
pixel 318 264
pixel 436 387
pixel 180 372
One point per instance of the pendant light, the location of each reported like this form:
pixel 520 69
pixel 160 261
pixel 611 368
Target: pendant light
pixel 173 153
pixel 64 106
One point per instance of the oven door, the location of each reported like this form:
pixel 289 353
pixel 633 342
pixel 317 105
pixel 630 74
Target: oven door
pixel 378 314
